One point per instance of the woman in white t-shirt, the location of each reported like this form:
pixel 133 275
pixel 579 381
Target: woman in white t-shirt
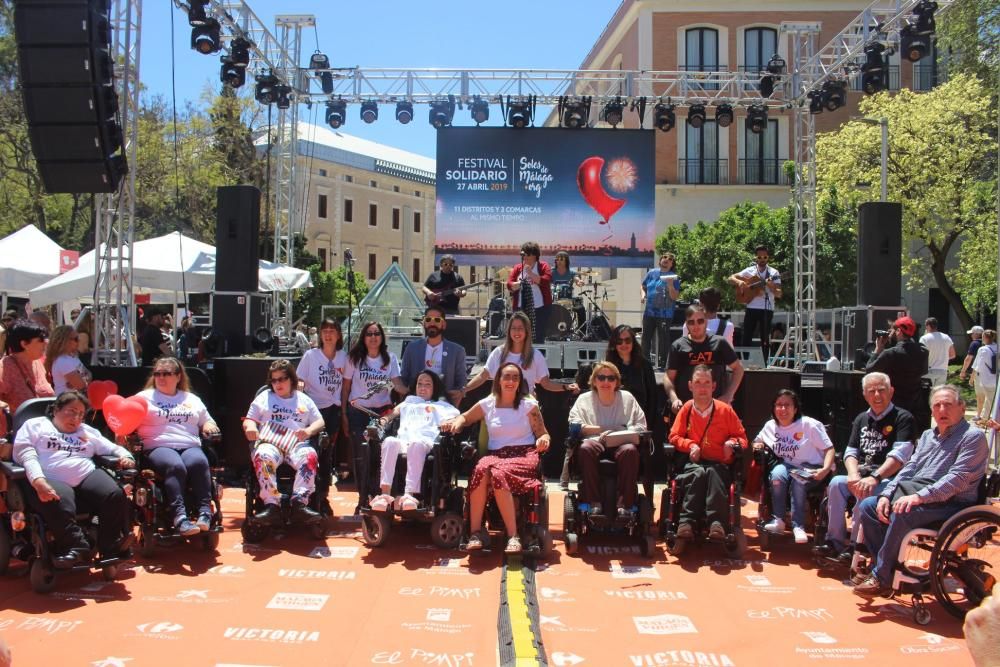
pixel 371 374
pixel 321 377
pixel 420 417
pixel 62 361
pixel 280 422
pixel 171 441
pixel 806 459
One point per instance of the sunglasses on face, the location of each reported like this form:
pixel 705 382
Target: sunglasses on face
pixel 623 341
pixel 605 378
pixel 283 378
pixel 372 334
pixel 436 320
pixel 163 374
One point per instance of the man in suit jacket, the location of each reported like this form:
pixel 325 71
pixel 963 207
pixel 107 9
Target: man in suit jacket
pixel 444 357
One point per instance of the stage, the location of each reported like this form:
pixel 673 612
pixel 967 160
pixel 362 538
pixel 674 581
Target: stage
pixel 296 601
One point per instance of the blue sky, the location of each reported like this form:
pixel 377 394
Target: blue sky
pixel 545 34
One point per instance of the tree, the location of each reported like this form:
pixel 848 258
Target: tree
pixel 329 289
pixel 940 152
pixel 968 39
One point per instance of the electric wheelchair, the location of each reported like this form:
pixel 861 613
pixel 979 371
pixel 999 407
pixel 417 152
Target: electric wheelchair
pixel 23 534
pixel 816 514
pixel 672 500
pixel 577 522
pixel 441 500
pixel 958 559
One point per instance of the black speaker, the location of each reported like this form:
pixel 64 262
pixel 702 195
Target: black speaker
pixel 465 332
pixel 70 102
pixel 754 399
pixel 880 253
pixel 236 318
pixel 237 233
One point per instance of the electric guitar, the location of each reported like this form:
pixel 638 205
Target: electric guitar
pixel 434 298
pixel 751 289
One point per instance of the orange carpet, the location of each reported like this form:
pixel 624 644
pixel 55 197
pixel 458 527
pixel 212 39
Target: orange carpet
pixel 295 601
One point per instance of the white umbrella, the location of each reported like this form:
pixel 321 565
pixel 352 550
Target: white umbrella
pixel 29 259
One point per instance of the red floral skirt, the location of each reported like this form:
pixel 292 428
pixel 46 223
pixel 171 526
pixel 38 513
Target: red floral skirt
pixel 514 468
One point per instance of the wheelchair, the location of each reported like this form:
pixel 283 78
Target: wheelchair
pixel 672 500
pixel 577 523
pixel 156 523
pixel 957 559
pixel 816 514
pixel 23 535
pixel 441 500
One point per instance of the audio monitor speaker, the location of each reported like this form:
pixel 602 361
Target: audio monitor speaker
pixel 237 235
pixel 880 230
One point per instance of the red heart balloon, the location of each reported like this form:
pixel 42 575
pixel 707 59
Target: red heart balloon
pixel 124 414
pixel 98 390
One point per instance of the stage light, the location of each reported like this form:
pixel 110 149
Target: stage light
pixel 815 101
pixel 873 71
pixel 264 91
pixel 663 117
pixel 404 112
pixel 576 113
pixel 613 111
pixel 441 114
pixel 336 113
pixel 834 94
pixel 776 65
pixel 479 110
pixel 915 37
pixel 696 115
pixel 320 61
pixel 724 115
pixel 757 118
pixel 197 15
pixel 231 74
pixel 766 85
pixel 239 52
pixel 519 114
pixel 206 38
pixel 282 92
pixel 369 111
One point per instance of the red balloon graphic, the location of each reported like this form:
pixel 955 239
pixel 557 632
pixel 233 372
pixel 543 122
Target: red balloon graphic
pixel 98 390
pixel 124 414
pixel 588 178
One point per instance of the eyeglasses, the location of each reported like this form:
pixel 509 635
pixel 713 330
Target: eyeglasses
pixel 283 378
pixel 446 265
pixel 75 414
pixel 623 341
pixel 698 321
pixel 163 374
pixel 605 378
pixel 372 334
pixel 436 320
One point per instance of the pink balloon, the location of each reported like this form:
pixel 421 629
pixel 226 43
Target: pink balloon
pixel 588 179
pixel 98 390
pixel 124 414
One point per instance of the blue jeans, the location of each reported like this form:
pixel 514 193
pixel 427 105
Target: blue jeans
pixel 885 540
pixel 780 479
pixel 178 467
pixel 837 496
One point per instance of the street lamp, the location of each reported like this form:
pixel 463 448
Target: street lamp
pixel 883 122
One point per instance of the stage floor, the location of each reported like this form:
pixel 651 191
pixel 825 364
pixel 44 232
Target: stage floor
pixel 296 601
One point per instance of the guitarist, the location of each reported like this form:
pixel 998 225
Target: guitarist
pixel 445 279
pixel 758 286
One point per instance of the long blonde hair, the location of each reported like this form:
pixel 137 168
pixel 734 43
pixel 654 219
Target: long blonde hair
pixel 58 340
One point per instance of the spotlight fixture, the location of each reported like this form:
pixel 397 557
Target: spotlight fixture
pixel 232 74
pixel 205 38
pixel 480 110
pixel 321 62
pixel 757 118
pixel 369 111
pixel 873 71
pixel 239 52
pixel 282 91
pixel 264 91
pixel 197 15
pixel 834 94
pixel 815 101
pixel 404 112
pixel 663 117
pixel 776 65
pixel 576 112
pixel 724 115
pixel 612 113
pixel 766 85
pixel 518 113
pixel 696 115
pixel 915 37
pixel 441 114
pixel 336 113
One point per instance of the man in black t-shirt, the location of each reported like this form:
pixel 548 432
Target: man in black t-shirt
pixel 695 349
pixel 882 441
pixel 152 342
pixel 445 278
pixel 904 360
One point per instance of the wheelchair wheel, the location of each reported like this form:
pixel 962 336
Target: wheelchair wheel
pixel 647 546
pixel 736 547
pixel 253 532
pixel 572 543
pixel 318 530
pixel 5 546
pixel 965 562
pixel 109 572
pixel 922 616
pixel 661 526
pixel 763 539
pixel 374 529
pixel 210 541
pixel 544 541
pixel 147 541
pixel 569 514
pixel 446 530
pixel 676 546
pixel 41 576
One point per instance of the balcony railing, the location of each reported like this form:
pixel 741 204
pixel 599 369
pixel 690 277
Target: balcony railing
pixel 928 75
pixel 893 79
pixel 703 172
pixel 760 171
pixel 693 70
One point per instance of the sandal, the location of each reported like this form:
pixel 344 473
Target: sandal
pixel 407 503
pixel 513 545
pixel 381 503
pixel 475 542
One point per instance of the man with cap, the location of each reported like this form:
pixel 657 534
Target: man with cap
pixel 904 360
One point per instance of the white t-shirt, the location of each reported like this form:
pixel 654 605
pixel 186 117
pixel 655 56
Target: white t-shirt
pixel 539 368
pixel 420 420
pixel 938 344
pixel 172 421
pixel 984 357
pixel 801 444
pixel 508 426
pixel 297 411
pixel 371 372
pixel 322 378
pixel 63 366
pixel 434 358
pixel 536 291
pixel 766 300
pixel 45 451
pixel 713 327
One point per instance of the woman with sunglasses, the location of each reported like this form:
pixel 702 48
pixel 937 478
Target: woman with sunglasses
pixel 171 439
pixel 280 423
pixel 62 361
pixel 637 376
pixel 517 437
pixel 22 375
pixel 56 452
pixel 608 419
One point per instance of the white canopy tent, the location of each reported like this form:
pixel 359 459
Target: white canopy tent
pixel 28 258
pixel 164 268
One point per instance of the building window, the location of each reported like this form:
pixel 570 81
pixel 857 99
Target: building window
pixel 416 222
pixel 348 210
pixel 374 184
pixel 321 208
pixel 416 270
pixel 759 44
pixel 395 259
pixel 372 215
pixel 395 218
pixel 761 165
pixel 372 273
pixel 701 50
pixel 322 172
pixel 416 193
pixel 322 258
pixel 348 178
pixel 395 188
pixel 701 162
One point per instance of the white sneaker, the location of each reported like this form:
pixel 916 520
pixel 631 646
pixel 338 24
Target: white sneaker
pixel 776 526
pixel 800 535
pixel 381 503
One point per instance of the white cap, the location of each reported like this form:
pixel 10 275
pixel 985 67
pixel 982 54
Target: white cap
pixel 975 330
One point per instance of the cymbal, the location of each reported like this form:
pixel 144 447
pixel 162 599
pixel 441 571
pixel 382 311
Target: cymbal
pixel 587 272
pixel 504 273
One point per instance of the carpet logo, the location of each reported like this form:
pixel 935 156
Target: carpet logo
pixel 166 630
pixel 555 595
pixel 820 637
pixel 227 571
pixel 934 644
pixel 346 553
pixel 330 575
pixel 418 656
pixel 761 584
pixel 440 592
pixel 555 624
pixel 188 596
pixel 48 625
pixel 562 659
pixel 438 619
pixel 273 635
pixel 818 614
pixel 612 551
pixel 619 571
pixel 447 566
pixel 111 661
pixel 664 624
pixel 647 595
pixel 298 601
pixel 681 659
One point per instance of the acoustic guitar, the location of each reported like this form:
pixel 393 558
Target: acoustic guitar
pixel 750 290
pixel 434 298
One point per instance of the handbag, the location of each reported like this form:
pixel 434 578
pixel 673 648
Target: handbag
pixel 908 487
